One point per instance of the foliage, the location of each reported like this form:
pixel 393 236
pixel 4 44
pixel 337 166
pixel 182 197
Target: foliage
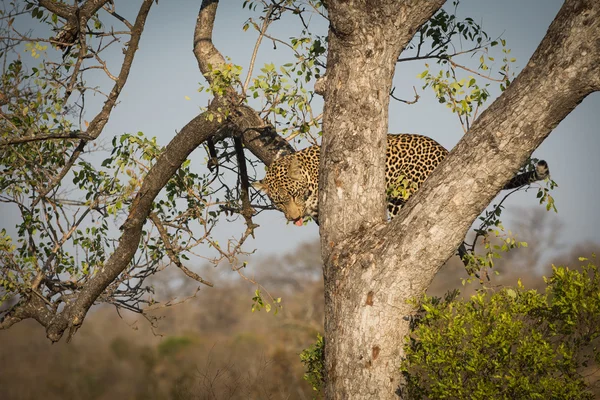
pixel 491 228
pixel 173 344
pixel 509 344
pixel 259 303
pixel 435 40
pixel 313 360
pixel 403 188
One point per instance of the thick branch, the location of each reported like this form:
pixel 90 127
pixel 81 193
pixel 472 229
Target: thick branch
pixel 562 72
pixel 259 137
pixel 205 51
pixel 76 17
pixel 61 9
pixel 32 307
pixel 190 137
pixel 91 7
pixel 356 107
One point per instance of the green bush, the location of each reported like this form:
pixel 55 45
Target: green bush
pixel 508 344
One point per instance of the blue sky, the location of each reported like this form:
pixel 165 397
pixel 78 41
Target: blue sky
pixel 165 72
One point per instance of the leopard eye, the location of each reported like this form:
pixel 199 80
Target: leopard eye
pixel 277 203
pixel 280 202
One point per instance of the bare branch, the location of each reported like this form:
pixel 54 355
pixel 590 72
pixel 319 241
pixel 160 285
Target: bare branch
pixel 247 210
pixel 456 65
pixel 261 34
pixel 417 97
pixel 171 250
pixel 112 12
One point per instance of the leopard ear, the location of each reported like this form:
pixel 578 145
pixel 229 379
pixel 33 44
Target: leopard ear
pixel 259 185
pixel 295 170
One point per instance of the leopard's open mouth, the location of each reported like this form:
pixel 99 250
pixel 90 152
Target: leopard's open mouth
pixel 299 221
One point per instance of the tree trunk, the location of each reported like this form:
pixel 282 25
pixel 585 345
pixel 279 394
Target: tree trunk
pixel 372 268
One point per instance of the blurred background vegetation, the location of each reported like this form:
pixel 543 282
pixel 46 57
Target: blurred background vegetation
pixel 212 346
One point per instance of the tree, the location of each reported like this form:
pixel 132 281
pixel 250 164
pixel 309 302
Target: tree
pixel 371 266
pixel 366 273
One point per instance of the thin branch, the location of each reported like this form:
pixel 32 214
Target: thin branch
pixel 62 241
pixel 487 220
pixel 102 66
pixel 23 38
pixel 430 56
pixel 112 12
pixel 171 250
pixel 58 178
pixel 262 31
pixel 170 303
pixel 456 65
pixel 417 97
pixel 97 124
pixel 82 21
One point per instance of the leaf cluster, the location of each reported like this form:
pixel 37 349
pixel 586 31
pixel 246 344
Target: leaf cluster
pixel 509 344
pixel 445 38
pixel 313 359
pixel 494 238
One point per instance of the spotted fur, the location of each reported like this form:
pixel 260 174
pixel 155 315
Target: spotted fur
pixel 291 181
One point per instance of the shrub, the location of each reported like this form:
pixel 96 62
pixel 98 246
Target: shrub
pixel 507 344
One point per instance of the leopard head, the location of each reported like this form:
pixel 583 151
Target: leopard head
pixel 286 184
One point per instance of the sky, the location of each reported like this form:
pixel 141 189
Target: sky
pixel 165 72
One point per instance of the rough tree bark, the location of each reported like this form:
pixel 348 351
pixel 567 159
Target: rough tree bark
pixel 372 267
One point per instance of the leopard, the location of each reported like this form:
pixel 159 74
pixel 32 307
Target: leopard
pixel 291 181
